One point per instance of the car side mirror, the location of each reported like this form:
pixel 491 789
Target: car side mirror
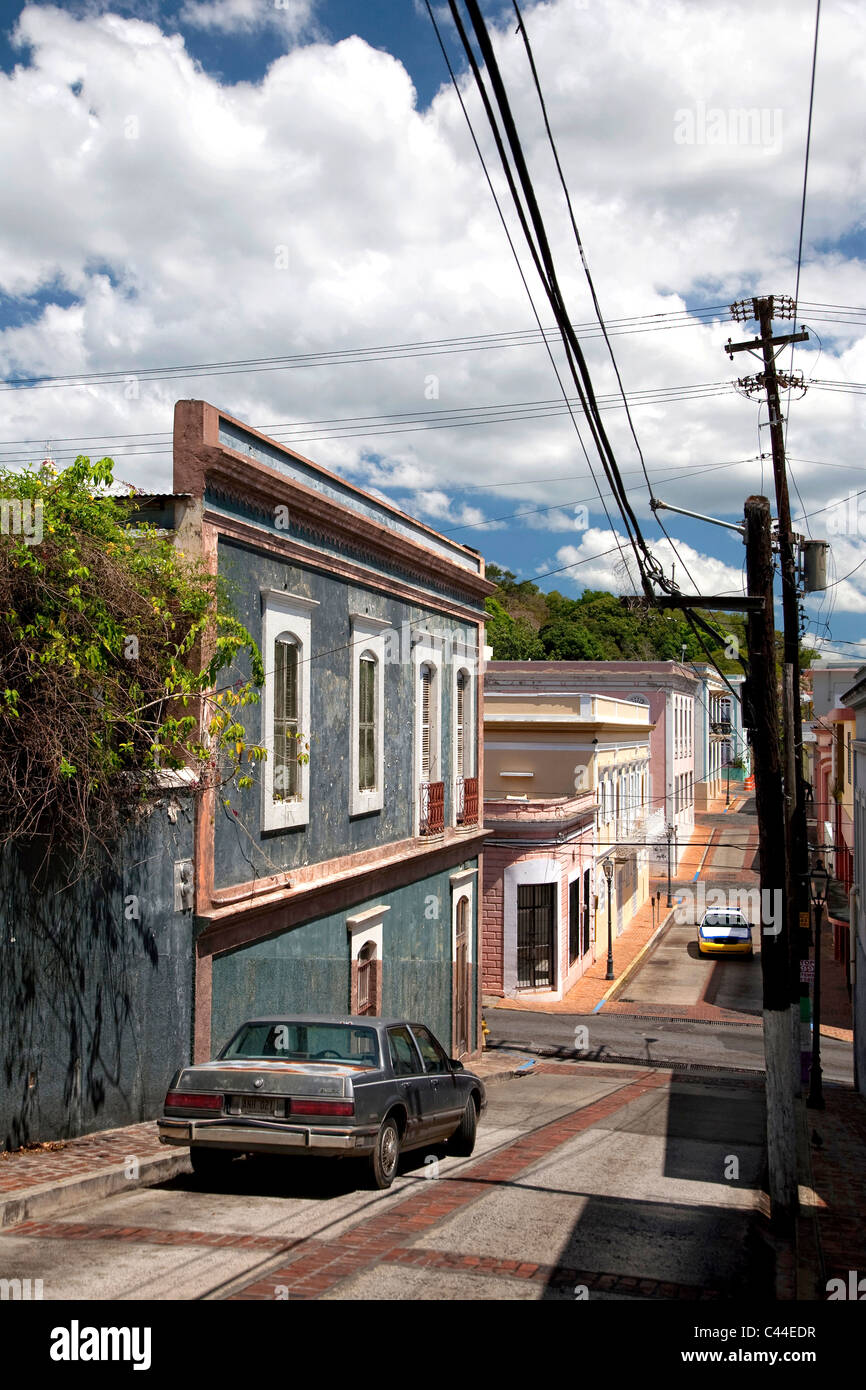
pixel 454 1064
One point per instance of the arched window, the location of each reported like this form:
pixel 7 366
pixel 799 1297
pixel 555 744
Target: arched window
pixel 366 979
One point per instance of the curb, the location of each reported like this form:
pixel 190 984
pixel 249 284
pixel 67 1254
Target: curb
pixel 64 1194
pixel 522 1066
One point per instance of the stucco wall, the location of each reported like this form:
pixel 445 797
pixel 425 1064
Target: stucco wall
pixel 95 1000
pixel 308 969
pixel 241 851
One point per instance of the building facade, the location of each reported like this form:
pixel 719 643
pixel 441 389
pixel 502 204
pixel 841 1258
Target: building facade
pixel 669 691
pixel 830 766
pixel 722 756
pixel 566 787
pixel 855 697
pixel 348 882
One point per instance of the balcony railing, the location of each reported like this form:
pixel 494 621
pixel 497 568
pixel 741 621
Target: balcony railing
pixel 467 800
pixel 720 726
pixel 432 808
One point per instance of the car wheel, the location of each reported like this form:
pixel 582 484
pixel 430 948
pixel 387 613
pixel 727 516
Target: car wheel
pixel 209 1163
pixel 386 1154
pixel 462 1141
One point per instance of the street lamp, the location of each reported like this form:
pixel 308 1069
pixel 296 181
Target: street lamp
pixel 670 834
pixel 819 881
pixel 728 793
pixel 608 873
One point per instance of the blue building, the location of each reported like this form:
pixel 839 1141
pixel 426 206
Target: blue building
pixel 349 882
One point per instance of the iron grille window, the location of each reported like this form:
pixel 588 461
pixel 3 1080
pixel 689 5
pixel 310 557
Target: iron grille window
pixel 286 766
pixel 535 935
pixel 367 724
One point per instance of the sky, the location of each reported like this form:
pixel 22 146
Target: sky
pixel 270 181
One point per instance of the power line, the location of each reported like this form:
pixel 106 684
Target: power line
pixel 539 248
pixel 509 239
pixel 586 270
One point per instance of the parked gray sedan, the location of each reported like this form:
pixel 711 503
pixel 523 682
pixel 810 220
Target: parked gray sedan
pixel 331 1087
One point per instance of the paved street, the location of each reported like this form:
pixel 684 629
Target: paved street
pixel 633 1173
pixel 609 1179
pixel 700 1046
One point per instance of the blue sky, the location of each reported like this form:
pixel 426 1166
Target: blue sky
pixel 207 182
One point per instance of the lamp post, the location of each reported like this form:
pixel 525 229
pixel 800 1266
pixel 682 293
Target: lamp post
pixel 728 767
pixel 819 881
pixel 670 834
pixel 608 873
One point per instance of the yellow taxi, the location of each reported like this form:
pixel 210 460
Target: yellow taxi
pixel 724 931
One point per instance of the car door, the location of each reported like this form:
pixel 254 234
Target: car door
pixel 411 1084
pixel 446 1099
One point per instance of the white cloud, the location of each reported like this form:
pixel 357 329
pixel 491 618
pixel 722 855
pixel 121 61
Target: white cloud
pixel 617 571
pixel 248 16
pixel 439 505
pixel 319 208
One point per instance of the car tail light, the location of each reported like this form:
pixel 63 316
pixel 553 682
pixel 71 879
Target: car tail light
pixel 323 1107
pixel 192 1100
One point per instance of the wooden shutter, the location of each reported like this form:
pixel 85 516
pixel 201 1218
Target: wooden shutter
pixel 426 732
pixel 461 712
pixel 286 767
pixel 367 724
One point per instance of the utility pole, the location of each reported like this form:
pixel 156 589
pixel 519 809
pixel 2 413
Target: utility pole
pixel 796 896
pixel 761 699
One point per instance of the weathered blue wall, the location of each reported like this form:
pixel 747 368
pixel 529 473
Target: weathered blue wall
pixel 308 969
pixel 241 852
pixel 95 1005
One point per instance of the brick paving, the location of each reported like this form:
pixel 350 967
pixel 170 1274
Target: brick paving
pixel 151 1235
pixel 310 1266
pixel 70 1158
pixel 382 1238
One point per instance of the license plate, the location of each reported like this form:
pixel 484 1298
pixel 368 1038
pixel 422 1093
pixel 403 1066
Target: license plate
pixel 258 1105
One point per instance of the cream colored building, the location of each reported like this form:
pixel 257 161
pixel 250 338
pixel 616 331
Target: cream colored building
pixel 567 784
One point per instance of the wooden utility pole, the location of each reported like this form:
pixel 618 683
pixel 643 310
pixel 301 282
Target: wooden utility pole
pixel 796 890
pixel 763 708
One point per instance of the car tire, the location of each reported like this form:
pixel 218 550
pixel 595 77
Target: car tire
pixel 462 1141
pixel 386 1155
pixel 209 1163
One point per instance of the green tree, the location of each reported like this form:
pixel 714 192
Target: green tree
pixel 565 640
pixel 119 658
pixel 511 639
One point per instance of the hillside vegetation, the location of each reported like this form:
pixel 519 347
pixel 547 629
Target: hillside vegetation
pixel 525 624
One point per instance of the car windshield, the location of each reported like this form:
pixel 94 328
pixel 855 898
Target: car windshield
pixel 725 921
pixel 287 1041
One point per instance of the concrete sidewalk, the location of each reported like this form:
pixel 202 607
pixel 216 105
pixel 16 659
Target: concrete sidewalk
pixel 48 1179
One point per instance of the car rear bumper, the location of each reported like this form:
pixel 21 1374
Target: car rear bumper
pixel 263 1137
